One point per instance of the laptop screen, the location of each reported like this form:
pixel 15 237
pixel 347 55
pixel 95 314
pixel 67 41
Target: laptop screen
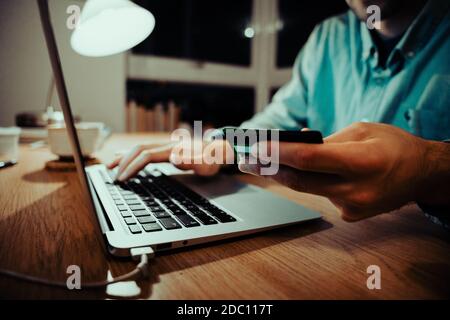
pixel 64 99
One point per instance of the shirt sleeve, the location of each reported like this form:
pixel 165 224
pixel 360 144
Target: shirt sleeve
pixel 288 108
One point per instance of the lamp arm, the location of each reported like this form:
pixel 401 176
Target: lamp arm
pixel 51 86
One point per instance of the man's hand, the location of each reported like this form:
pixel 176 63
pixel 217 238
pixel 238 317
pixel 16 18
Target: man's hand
pixel 185 157
pixel 366 169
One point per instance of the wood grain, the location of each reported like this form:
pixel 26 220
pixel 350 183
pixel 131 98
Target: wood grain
pixel 45 227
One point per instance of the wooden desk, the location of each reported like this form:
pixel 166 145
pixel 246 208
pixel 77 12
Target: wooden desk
pixel 45 227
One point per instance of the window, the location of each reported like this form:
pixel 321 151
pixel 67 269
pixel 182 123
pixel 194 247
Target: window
pixel 202 30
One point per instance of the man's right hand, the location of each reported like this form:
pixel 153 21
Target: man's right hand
pixel 184 157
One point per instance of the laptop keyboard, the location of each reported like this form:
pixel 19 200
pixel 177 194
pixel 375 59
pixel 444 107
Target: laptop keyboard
pixel 151 203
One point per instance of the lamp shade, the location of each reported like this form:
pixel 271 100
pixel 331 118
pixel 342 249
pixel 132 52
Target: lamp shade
pixel 108 27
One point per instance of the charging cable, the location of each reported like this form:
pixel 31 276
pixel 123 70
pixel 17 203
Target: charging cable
pixel 141 270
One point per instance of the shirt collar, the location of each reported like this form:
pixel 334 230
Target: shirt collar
pixel 416 36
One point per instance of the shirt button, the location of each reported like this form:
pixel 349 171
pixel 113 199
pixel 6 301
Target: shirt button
pixel 410 54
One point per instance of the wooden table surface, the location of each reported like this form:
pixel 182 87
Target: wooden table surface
pixel 45 227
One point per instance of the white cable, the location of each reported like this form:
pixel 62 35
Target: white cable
pixel 141 269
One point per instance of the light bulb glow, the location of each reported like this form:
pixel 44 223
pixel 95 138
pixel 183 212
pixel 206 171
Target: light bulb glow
pixel 112 31
pixel 249 32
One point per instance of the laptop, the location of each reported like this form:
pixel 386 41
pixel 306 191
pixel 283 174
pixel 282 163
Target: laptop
pixel 163 207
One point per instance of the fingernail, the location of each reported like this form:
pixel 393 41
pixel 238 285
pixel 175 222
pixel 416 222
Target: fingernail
pixel 175 158
pixel 118 175
pixel 122 177
pixel 254 150
pixel 246 167
pixel 249 168
pixel 258 146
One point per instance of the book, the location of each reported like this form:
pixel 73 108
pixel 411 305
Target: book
pixel 141 118
pixel 173 115
pixel 159 117
pixel 166 119
pixel 150 120
pixel 130 116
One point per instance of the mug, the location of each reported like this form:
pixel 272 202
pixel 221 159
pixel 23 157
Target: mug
pixel 9 144
pixel 90 135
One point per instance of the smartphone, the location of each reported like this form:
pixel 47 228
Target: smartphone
pixel 243 139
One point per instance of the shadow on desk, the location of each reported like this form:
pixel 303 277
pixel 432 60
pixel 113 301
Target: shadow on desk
pixel 45 176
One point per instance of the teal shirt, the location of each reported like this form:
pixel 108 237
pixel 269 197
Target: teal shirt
pixel 337 79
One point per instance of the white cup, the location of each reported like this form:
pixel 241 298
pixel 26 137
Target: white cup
pixel 89 135
pixel 9 144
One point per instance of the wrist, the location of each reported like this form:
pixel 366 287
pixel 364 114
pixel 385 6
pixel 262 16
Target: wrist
pixel 434 188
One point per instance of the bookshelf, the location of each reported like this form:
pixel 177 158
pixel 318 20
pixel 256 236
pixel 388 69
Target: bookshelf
pixel 160 117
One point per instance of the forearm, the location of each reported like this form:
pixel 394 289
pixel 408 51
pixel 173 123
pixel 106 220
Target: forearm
pixel 435 187
pixel 288 108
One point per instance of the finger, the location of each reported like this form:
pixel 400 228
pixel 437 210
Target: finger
pixel 253 169
pixel 306 129
pixel 156 154
pixel 160 154
pixel 340 136
pixel 118 157
pixel 206 170
pixel 326 158
pixel 206 160
pixel 182 162
pixel 114 164
pixel 351 213
pixel 310 157
pixel 136 165
pixel 128 158
pixel 323 184
pixel 196 164
pixel 354 132
pixel 249 164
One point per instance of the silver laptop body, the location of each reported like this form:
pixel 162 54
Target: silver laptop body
pixel 252 208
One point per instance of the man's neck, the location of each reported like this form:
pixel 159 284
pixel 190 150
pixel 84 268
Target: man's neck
pixel 395 26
